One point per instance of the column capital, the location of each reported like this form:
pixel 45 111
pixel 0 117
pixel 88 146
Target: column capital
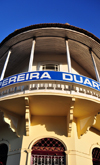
pixel 9 50
pixel 28 150
pixel 66 38
pixel 90 50
pixel 34 38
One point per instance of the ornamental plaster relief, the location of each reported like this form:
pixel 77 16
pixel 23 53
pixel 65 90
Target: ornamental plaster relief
pixel 85 123
pixel 70 117
pixel 27 116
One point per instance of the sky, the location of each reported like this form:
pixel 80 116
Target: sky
pixel 16 14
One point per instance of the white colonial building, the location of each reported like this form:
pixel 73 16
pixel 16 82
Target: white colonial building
pixel 50 96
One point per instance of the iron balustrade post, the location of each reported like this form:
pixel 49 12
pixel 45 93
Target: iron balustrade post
pixel 5 65
pixel 31 56
pixel 95 67
pixel 68 57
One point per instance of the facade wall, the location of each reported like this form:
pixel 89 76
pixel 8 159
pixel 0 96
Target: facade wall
pixel 78 150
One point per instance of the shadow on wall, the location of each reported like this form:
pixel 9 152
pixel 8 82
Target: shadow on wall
pixel 55 124
pixel 95 131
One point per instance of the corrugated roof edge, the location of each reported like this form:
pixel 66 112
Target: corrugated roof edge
pixel 67 26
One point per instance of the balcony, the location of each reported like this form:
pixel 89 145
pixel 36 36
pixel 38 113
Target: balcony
pixel 51 93
pixel 51 82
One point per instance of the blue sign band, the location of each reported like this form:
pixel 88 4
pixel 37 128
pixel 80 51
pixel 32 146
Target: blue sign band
pixel 50 75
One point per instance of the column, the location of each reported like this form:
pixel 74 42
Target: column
pixel 5 65
pixel 31 56
pixel 68 57
pixel 95 67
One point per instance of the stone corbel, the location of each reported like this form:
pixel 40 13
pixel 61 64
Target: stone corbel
pixel 27 116
pixel 70 118
pixel 11 119
pixel 85 123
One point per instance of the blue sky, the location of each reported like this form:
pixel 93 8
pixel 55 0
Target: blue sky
pixel 15 14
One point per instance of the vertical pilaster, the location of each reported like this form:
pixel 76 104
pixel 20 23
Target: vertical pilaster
pixel 27 116
pixel 70 117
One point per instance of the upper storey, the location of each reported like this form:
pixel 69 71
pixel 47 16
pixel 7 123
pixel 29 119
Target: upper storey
pixel 52 47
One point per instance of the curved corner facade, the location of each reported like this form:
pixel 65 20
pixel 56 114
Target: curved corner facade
pixel 50 96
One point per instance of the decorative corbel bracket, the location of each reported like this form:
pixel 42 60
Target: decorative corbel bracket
pixel 70 117
pixel 27 116
pixel 85 123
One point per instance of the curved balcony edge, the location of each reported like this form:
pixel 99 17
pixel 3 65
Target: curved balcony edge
pixel 62 83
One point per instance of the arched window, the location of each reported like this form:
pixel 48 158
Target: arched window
pixel 96 156
pixel 3 154
pixel 48 151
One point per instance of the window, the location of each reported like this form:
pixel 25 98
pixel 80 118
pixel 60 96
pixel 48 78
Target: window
pixel 48 151
pixel 3 154
pixel 52 67
pixel 96 156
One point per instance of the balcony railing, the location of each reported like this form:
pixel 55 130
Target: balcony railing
pixel 54 85
pixel 47 160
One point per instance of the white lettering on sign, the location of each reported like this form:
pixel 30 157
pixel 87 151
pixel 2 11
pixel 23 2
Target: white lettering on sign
pixel 45 75
pixel 12 79
pixel 34 75
pixel 87 81
pixel 50 75
pixel 27 76
pixel 21 77
pixel 95 84
pixel 67 77
pixel 5 82
pixel 80 79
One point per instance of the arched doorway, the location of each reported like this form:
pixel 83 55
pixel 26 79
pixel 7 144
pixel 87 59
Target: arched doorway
pixel 96 156
pixel 3 154
pixel 48 151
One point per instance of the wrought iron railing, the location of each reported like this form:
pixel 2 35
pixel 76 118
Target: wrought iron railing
pixel 47 160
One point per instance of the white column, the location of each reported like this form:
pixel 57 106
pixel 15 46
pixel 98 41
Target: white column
pixel 5 65
pixel 31 56
pixel 95 67
pixel 68 57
